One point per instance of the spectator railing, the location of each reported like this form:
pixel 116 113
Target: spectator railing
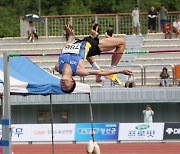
pixel 140 67
pixel 143 69
pixel 54 25
pixel 143 72
pixel 158 65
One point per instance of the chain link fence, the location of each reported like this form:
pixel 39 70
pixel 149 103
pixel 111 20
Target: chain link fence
pixel 54 25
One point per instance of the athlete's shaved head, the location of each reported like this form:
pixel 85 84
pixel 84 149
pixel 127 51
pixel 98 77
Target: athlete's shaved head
pixel 69 89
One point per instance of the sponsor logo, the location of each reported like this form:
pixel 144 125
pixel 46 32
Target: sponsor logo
pixel 169 130
pixel 175 131
pixel 39 132
pixel 142 127
pixel 84 131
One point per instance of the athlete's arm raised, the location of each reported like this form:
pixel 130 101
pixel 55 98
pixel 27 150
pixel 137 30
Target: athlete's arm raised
pixel 71 34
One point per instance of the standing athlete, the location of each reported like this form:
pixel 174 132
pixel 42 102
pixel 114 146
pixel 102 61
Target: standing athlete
pixel 72 59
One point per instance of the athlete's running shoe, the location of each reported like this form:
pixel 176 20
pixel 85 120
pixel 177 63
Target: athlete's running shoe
pixel 114 79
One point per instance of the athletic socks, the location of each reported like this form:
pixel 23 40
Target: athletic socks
pixel 95 66
pixel 112 67
pixel 113 77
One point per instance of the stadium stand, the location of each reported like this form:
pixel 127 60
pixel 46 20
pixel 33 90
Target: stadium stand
pixel 157 42
pixel 138 63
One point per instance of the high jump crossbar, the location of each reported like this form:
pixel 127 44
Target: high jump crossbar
pixel 125 52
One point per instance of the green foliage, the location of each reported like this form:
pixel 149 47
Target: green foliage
pixel 11 10
pixel 105 6
pixel 51 7
pixel 124 6
pixel 145 5
pixel 9 25
pixel 74 7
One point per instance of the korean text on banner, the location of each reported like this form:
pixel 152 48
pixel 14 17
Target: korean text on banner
pixel 141 131
pixel 101 131
pixel 42 132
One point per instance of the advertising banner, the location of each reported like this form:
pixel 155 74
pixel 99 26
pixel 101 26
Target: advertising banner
pixel 62 132
pixel 172 131
pixel 19 132
pixel 101 131
pixel 141 131
pixel 42 132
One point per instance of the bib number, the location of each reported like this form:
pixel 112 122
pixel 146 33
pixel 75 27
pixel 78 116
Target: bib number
pixel 71 48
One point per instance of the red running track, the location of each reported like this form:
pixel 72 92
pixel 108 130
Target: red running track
pixel 120 148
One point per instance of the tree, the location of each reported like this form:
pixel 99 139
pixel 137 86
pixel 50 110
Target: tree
pixel 11 10
pixel 74 7
pixel 9 25
pixel 124 6
pixel 105 6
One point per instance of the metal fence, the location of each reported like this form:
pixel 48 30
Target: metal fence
pixel 144 79
pixel 54 25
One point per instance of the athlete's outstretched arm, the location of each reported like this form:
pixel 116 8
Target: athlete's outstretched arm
pixel 109 72
pixel 84 72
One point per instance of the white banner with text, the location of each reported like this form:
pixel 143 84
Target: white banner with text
pixel 141 131
pixel 42 132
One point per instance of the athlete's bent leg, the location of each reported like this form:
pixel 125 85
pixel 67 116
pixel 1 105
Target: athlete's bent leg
pixel 92 61
pixel 108 44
